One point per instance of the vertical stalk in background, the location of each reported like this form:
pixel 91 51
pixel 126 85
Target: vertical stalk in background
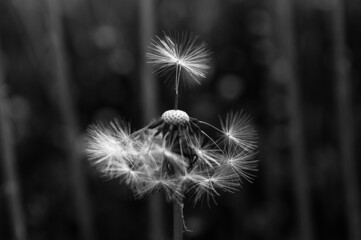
pixel 272 148
pixel 149 107
pixel 346 129
pixel 11 180
pixel 149 91
pixel 287 57
pixel 68 119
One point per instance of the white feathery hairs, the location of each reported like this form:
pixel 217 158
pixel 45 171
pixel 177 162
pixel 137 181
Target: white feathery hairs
pixel 174 154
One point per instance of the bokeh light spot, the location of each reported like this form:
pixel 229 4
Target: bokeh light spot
pixel 230 87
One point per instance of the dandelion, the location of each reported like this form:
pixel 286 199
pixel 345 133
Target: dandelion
pixel 187 58
pixel 173 153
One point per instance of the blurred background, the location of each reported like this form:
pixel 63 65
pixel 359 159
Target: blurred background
pixel 294 65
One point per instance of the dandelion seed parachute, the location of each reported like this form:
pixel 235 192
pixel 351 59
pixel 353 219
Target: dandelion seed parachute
pixel 105 145
pixel 239 162
pixel 184 55
pixel 237 129
pixel 172 154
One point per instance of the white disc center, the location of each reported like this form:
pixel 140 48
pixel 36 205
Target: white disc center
pixel 175 117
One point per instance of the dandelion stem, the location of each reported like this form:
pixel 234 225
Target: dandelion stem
pixel 176 100
pixel 178 220
pixel 177 76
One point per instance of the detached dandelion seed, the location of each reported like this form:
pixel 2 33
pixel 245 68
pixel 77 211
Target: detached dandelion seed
pixel 174 154
pixel 187 58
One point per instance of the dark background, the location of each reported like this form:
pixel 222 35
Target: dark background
pixel 293 65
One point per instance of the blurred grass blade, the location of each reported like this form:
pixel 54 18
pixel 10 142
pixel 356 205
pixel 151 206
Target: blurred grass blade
pixel 68 119
pixel 149 108
pixel 148 84
pixel 346 129
pixel 287 54
pixel 12 188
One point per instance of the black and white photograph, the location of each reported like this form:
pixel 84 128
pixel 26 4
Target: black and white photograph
pixel 180 119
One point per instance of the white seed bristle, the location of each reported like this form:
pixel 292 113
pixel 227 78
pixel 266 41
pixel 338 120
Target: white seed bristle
pixel 175 117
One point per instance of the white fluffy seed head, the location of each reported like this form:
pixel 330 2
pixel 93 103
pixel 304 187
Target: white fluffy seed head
pixel 175 117
pixel 183 51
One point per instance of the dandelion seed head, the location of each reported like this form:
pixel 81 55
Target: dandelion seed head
pixel 173 154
